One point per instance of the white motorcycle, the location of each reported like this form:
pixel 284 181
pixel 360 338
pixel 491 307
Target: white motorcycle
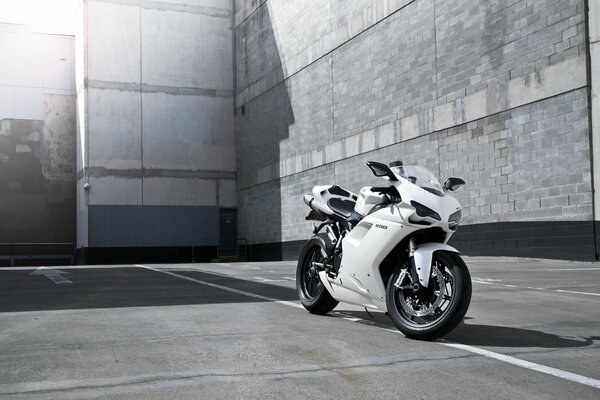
pixel 385 249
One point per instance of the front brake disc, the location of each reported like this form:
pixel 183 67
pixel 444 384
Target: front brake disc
pixel 413 305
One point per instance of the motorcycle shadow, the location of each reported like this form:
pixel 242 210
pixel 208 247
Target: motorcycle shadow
pixel 503 336
pixel 490 335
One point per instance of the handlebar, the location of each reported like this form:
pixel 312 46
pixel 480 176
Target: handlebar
pixel 387 190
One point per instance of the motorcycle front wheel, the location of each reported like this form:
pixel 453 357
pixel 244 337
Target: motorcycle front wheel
pixel 311 292
pixel 431 312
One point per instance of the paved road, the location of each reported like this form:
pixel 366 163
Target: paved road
pixel 211 331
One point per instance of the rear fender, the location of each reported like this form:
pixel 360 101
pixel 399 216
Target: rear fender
pixel 423 256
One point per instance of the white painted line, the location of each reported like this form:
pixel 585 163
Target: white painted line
pixel 584 380
pixel 572 269
pixel 574 292
pixel 226 288
pixel 347 317
pixel 484 283
pixel 534 288
pixel 486 279
pixel 496 356
pixel 261 279
pixel 55 275
pixel 66 267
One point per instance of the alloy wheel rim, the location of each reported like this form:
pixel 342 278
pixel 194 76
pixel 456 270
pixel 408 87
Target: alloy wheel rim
pixel 426 308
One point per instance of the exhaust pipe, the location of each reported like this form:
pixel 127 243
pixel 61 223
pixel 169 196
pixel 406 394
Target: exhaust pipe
pixel 308 200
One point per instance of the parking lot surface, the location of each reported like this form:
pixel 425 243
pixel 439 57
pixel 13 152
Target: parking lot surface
pixel 195 331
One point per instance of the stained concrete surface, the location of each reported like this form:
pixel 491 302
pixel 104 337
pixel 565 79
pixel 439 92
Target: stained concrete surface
pixel 37 177
pixel 157 336
pixel 37 138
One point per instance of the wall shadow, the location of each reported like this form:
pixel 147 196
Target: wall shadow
pixel 261 123
pixel 31 290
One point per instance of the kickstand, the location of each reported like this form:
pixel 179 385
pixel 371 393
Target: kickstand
pixel 368 312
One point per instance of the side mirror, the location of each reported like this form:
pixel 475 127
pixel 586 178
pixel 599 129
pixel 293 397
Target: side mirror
pixel 381 170
pixel 452 184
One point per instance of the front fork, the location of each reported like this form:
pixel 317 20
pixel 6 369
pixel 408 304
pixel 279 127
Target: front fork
pixel 410 272
pixel 421 258
pixel 412 247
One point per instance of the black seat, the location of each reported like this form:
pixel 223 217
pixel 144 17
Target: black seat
pixel 343 207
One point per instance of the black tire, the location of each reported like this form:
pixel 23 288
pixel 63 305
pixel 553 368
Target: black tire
pixel 311 292
pixel 440 322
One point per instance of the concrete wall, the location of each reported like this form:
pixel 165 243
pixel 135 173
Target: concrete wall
pixel 37 137
pixel 593 20
pixel 156 127
pixel 495 92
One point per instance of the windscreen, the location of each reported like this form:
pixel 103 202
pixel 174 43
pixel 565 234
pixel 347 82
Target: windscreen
pixel 420 176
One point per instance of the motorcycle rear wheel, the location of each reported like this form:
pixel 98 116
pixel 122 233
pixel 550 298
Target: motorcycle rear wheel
pixel 434 311
pixel 311 292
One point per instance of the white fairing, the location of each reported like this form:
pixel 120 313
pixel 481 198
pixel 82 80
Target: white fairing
pixel 322 194
pixel 366 245
pixel 423 256
pixel 364 248
pixel 367 200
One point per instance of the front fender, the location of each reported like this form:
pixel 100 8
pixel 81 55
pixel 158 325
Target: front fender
pixel 423 256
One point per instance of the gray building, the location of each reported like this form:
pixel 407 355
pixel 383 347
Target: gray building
pixel 192 113
pixel 156 145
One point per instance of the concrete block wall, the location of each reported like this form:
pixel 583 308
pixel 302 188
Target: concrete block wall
pixel 494 92
pixel 529 163
pixel 37 139
pixel 156 131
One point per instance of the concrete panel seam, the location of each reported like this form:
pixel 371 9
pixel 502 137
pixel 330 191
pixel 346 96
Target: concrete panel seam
pixel 178 7
pixel 333 151
pixel 99 172
pixel 444 116
pixel 120 2
pixel 141 65
pixel 186 8
pixel 146 88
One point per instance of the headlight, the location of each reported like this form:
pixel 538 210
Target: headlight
pixel 423 211
pixel 455 217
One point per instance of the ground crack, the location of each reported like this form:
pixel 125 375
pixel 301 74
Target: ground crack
pixel 192 376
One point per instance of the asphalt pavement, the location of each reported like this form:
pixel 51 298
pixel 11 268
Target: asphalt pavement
pixel 216 331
